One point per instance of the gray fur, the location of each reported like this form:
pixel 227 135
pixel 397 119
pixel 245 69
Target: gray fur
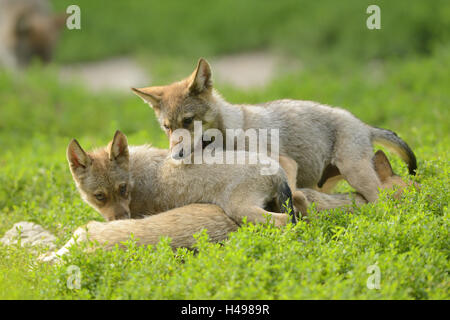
pixel 156 183
pixel 316 136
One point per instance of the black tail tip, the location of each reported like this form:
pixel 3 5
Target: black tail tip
pixel 412 166
pixel 286 202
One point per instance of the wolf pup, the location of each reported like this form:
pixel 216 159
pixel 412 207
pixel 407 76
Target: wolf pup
pixel 28 29
pixel 122 182
pixel 321 139
pixel 389 180
pixel 179 224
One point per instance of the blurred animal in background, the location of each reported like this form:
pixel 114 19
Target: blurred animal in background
pixel 28 30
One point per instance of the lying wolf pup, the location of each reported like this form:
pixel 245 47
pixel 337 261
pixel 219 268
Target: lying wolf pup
pixel 181 224
pixel 121 182
pixel 318 137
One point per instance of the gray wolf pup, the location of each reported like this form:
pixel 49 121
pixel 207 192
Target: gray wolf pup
pixel 182 223
pixel 179 224
pixel 323 140
pixel 122 182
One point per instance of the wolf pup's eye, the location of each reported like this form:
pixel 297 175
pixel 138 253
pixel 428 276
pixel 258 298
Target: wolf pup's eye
pixel 123 189
pixel 100 196
pixel 166 127
pixel 187 121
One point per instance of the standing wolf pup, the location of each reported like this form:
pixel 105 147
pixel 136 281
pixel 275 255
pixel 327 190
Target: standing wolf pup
pixel 121 182
pixel 28 29
pixel 321 139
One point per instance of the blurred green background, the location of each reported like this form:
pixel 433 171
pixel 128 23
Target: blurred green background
pixel 310 30
pixel 396 77
pixel 323 51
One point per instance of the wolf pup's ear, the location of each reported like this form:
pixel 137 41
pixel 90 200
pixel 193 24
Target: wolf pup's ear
pixel 201 78
pixel 78 159
pixel 118 148
pixel 148 95
pixel 382 165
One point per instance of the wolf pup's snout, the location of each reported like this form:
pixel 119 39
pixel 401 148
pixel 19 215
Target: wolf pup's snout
pixel 178 154
pixel 118 212
pixel 180 151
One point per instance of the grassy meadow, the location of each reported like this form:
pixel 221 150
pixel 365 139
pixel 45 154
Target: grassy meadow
pixel 396 78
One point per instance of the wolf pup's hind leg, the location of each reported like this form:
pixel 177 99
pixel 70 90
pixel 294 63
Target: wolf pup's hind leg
pixel 353 159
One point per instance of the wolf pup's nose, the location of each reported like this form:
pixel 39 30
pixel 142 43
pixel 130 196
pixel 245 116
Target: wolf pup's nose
pixel 179 155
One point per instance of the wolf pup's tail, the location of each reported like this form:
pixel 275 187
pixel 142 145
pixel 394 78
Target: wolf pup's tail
pixel 390 140
pixel 285 201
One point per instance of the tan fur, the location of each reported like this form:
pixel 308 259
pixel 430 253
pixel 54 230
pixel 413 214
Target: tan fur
pixel 316 136
pixel 389 180
pixel 290 168
pixel 121 182
pixel 179 224
pixel 28 29
pixel 155 184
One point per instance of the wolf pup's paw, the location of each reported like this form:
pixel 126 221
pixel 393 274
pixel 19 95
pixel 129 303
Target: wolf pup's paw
pixel 49 257
pixel 301 203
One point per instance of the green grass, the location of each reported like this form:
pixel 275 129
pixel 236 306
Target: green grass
pixel 327 258
pixel 396 78
pixel 307 29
